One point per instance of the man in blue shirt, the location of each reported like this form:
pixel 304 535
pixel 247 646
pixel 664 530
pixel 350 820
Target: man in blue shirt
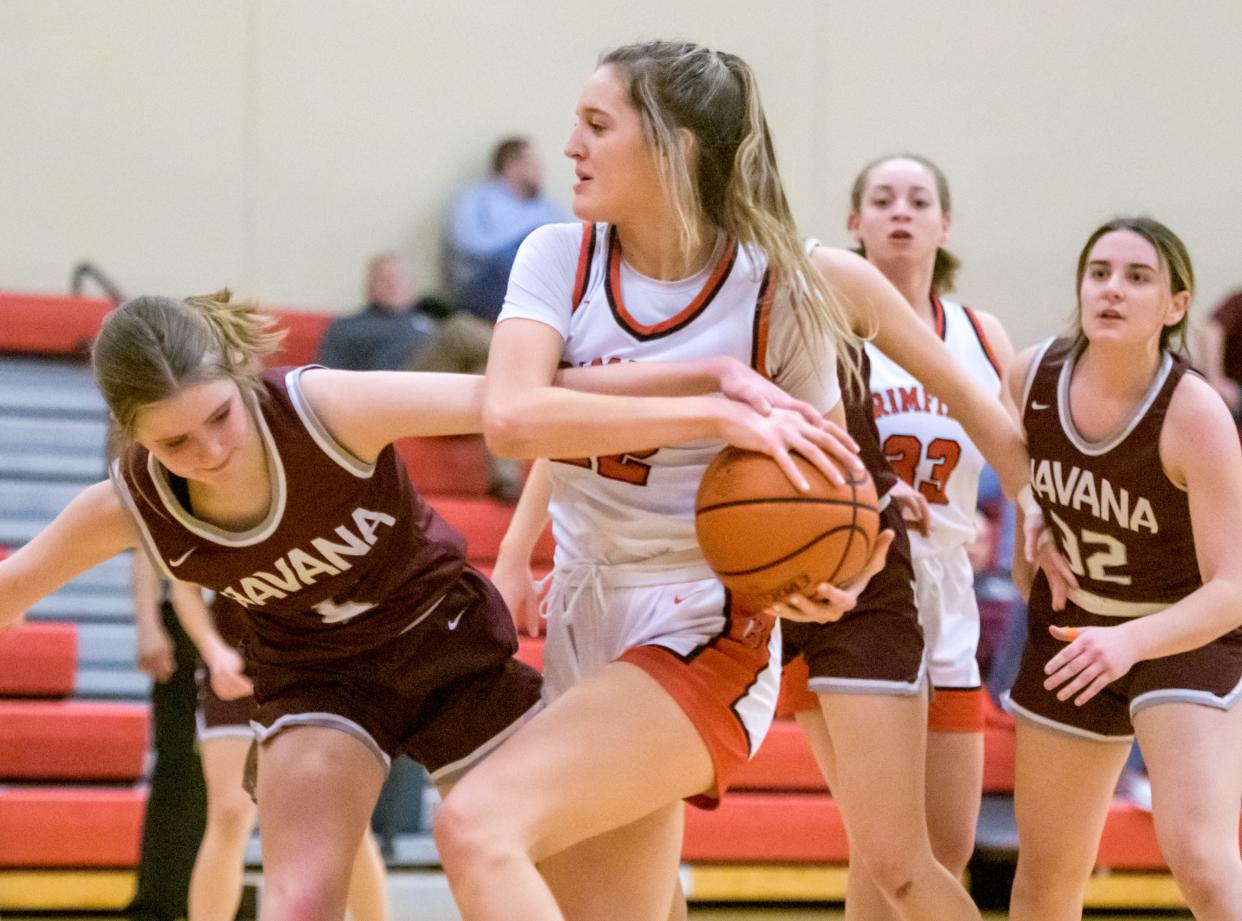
pixel 489 221
pixel 396 331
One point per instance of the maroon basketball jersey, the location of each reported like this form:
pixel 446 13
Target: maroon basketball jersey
pixel 860 421
pixel 348 551
pixel 1121 524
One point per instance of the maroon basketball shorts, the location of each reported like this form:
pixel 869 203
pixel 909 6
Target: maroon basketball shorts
pixel 877 648
pixel 221 719
pixel 1210 675
pixel 445 689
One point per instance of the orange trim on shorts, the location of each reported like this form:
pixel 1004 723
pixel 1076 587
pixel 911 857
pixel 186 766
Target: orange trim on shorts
pixel 796 697
pixel 956 710
pixel 707 684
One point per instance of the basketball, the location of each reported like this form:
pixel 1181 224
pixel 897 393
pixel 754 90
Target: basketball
pixel 765 540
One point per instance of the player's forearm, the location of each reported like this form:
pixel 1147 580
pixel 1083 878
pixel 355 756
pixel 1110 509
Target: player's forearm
pixel 1204 615
pixel 529 518
pixel 195 618
pixel 145 585
pixel 558 422
pixel 658 378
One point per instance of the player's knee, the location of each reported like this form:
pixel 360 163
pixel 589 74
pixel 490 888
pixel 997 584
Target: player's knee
pixel 1198 864
pixel 1050 881
pixel 892 874
pixel 953 853
pixel 232 816
pixel 469 830
pixel 304 897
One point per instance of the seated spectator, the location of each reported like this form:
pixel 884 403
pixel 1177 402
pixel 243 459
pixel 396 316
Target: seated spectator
pixel 398 331
pixel 395 327
pixel 1219 352
pixel 489 221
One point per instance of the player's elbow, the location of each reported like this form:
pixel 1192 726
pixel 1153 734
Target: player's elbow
pixel 505 426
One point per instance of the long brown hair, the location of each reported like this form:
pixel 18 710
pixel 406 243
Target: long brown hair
pixel 730 178
pixel 149 348
pixel 944 272
pixel 1173 255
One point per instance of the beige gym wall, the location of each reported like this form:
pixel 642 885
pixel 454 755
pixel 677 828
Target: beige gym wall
pixel 273 144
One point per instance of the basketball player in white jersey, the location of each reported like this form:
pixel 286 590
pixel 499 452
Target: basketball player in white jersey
pixel 659 688
pixel 899 218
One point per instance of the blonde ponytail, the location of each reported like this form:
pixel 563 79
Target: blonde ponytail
pixel 246 335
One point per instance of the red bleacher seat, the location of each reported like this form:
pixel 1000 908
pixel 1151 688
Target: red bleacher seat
pixel 483 523
pixel 49 324
pixel 446 466
pixel 767 828
pixel 304 332
pixel 38 660
pixel 784 762
pixel 68 827
pixel 73 739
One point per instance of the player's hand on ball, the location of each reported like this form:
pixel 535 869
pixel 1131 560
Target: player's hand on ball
pixel 1094 658
pixel 832 602
pixel 913 507
pixel 741 383
pixel 783 431
pixel 227 677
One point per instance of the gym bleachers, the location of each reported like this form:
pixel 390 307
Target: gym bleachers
pixel 73 712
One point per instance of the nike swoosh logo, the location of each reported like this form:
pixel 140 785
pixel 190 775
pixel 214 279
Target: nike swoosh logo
pixel 1035 405
pixel 452 624
pixel 677 599
pixel 181 559
pixel 421 617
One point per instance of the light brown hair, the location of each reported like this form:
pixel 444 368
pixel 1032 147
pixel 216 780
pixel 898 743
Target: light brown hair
pixel 149 348
pixel 1173 256
pixel 944 272
pixel 730 178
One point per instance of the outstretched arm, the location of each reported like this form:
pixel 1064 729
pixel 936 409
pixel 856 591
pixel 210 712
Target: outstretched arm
pixel 93 527
pixel 874 305
pixel 366 410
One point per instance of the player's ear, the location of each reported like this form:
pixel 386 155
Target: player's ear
pixel 851 224
pixel 1178 308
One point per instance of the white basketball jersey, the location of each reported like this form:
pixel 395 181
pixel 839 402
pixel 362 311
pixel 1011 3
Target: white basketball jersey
pixel 925 445
pixel 632 507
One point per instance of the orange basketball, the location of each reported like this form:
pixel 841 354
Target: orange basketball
pixel 766 540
